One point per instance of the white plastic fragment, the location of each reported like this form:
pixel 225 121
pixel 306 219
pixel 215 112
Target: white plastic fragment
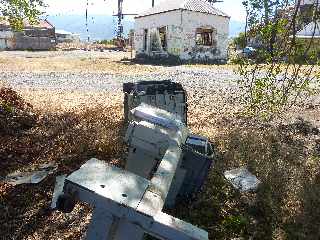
pixel 242 179
pixel 33 177
pixel 58 189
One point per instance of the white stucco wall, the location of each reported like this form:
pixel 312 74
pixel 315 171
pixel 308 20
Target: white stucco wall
pixel 305 2
pixel 172 20
pixel 181 34
pixel 194 20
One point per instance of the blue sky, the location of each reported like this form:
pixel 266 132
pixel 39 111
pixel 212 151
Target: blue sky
pixel 107 7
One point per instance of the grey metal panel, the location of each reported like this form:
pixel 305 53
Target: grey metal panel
pixel 128 231
pixel 175 187
pixel 150 148
pixel 158 116
pixel 58 189
pixel 100 226
pixel 168 227
pixel 162 179
pixel 110 182
pixel 151 204
pixel 95 200
pixel 114 220
pixel 140 163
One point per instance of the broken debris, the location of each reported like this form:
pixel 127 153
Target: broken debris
pixel 33 177
pixel 58 190
pixel 242 179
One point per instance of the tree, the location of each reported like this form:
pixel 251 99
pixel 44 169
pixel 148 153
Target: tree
pixel 18 10
pixel 284 68
pixel 240 40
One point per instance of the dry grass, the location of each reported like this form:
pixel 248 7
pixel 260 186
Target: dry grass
pixel 111 65
pixel 74 126
pixel 67 133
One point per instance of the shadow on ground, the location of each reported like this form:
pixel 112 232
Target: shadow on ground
pixel 68 140
pixel 286 158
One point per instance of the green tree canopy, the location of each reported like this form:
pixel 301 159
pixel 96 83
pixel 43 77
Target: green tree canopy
pixel 284 70
pixel 18 10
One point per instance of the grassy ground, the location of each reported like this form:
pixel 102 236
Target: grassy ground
pixel 60 62
pixel 73 126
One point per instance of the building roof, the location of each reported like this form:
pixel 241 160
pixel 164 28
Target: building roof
pixel 306 2
pixel 190 5
pixel 309 31
pixel 63 32
pixel 26 24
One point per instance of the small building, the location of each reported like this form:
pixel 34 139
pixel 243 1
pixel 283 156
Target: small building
pixel 306 2
pixel 310 31
pixel 193 30
pixel 310 35
pixel 63 36
pixel 40 36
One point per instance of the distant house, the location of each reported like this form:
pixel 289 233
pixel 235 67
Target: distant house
pixel 312 30
pixel 306 3
pixel 63 36
pixel 188 29
pixel 39 36
pixel 310 34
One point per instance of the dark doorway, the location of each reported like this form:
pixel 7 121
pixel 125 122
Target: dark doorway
pixel 163 37
pixel 145 40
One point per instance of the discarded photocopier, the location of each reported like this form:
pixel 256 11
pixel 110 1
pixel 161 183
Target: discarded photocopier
pixel 150 134
pixel 164 162
pixel 166 95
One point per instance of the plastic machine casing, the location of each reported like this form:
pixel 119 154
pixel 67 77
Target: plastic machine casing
pixel 166 95
pixel 149 135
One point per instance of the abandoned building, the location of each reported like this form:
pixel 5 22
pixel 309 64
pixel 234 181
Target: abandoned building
pixel 193 30
pixel 63 36
pixel 40 36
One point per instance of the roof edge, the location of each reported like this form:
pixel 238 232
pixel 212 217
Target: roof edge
pixel 183 9
pixel 147 15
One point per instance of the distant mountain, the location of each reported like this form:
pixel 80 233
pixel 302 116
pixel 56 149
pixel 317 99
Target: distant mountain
pixel 100 26
pixel 104 26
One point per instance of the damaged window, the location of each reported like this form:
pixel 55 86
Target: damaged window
pixel 163 37
pixel 145 39
pixel 204 37
pixel 155 42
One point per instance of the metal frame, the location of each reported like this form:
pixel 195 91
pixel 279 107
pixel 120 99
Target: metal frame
pixel 141 210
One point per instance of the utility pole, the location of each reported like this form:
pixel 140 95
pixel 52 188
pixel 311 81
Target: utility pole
pixel 152 3
pixel 120 16
pixel 87 26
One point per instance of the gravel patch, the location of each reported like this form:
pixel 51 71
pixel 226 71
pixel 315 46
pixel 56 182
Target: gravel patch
pixel 203 79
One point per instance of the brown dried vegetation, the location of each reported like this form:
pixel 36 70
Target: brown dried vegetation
pixel 71 127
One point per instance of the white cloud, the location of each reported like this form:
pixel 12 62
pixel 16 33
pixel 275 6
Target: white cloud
pixel 56 7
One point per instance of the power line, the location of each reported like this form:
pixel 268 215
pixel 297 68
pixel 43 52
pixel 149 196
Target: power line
pixel 87 26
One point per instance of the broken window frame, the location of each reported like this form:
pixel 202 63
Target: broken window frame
pixel 163 37
pixel 205 37
pixel 155 43
pixel 145 39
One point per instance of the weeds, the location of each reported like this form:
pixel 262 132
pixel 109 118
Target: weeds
pixel 72 129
